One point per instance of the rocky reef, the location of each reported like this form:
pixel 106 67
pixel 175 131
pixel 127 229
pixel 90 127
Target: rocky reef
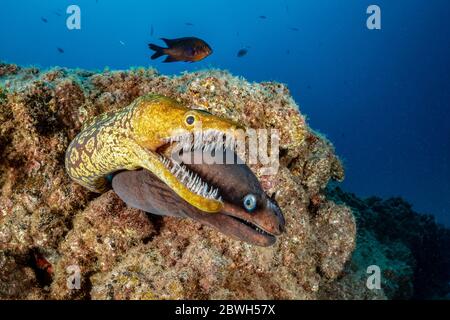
pixel 49 224
pixel 411 249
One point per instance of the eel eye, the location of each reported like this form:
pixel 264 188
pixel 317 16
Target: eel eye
pixel 250 202
pixel 190 120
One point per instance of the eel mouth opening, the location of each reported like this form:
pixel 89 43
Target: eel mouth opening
pixel 253 226
pixel 171 152
pixel 238 228
pixel 173 155
pixel 191 180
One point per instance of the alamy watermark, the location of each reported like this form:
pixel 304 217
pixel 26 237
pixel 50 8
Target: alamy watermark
pixel 374 279
pixel 373 22
pixel 73 280
pixel 73 22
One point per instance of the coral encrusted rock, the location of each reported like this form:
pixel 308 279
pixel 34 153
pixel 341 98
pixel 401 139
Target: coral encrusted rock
pixel 48 223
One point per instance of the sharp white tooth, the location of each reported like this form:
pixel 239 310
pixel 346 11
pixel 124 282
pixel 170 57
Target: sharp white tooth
pixel 202 189
pixel 196 188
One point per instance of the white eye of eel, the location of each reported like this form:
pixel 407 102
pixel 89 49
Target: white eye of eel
pixel 249 202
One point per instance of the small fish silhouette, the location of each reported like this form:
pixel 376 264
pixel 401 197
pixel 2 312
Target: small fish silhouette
pixel 43 19
pixel 60 50
pixel 189 24
pixel 263 17
pixel 241 53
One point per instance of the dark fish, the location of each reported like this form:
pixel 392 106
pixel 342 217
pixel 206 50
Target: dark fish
pixel 57 13
pixel 60 50
pixel 259 225
pixel 241 53
pixel 263 17
pixel 189 24
pixel 44 20
pixel 294 29
pixel 152 31
pixel 188 49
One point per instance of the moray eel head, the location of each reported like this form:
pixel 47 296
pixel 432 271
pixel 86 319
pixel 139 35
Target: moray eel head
pixel 161 122
pixel 248 214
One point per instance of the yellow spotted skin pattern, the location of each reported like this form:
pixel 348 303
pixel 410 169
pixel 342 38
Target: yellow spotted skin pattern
pixel 129 138
pixel 95 152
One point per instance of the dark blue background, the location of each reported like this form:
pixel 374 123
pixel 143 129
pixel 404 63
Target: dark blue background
pixel 382 97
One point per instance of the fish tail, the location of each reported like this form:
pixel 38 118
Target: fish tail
pixel 159 51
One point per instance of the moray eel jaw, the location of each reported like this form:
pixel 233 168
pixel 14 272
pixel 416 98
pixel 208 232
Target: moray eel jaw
pixel 161 121
pixel 234 182
pixel 141 189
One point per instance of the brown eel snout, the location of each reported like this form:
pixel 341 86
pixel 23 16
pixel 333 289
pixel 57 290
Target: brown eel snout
pixel 248 213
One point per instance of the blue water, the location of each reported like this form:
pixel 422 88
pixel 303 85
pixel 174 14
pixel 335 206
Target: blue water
pixel 381 96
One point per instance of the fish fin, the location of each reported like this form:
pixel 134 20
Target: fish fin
pixel 159 51
pixel 169 42
pixel 170 59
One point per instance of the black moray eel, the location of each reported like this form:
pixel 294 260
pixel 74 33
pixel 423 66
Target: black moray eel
pixel 248 213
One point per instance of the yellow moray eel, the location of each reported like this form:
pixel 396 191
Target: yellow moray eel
pixel 130 138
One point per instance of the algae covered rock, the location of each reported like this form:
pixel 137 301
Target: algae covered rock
pixel 411 249
pixel 122 253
